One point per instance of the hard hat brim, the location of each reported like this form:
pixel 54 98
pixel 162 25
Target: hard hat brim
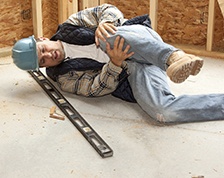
pixel 35 52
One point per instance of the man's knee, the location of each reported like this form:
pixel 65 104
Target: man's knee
pixel 165 114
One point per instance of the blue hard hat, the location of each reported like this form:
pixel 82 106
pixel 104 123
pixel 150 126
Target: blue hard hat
pixel 24 54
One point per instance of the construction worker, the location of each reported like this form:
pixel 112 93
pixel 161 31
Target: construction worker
pixel 132 63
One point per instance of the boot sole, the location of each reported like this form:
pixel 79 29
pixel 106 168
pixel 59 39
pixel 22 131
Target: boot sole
pixel 181 70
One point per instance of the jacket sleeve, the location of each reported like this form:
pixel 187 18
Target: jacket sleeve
pixel 92 17
pixel 92 82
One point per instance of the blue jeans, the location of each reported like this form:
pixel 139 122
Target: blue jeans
pixel 149 84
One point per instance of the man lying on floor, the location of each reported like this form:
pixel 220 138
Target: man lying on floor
pixel 97 52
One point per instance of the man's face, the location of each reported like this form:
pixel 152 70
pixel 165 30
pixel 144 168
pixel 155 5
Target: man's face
pixel 50 53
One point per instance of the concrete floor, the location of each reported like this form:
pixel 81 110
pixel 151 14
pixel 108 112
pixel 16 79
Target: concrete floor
pixel 32 145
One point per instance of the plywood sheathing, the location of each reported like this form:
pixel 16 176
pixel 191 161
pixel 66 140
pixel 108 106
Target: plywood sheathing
pixel 179 21
pixel 15 21
pixel 131 8
pixel 50 17
pixel 183 21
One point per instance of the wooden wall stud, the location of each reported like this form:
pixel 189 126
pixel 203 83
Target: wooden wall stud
pixel 153 13
pixel 210 28
pixel 37 18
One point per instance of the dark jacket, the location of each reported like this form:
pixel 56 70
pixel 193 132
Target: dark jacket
pixel 79 35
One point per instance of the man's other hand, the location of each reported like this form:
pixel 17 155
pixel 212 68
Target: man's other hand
pixel 102 30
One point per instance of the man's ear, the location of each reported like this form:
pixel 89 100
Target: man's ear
pixel 43 38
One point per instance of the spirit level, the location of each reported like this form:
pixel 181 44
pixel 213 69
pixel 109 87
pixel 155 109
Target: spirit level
pixel 78 121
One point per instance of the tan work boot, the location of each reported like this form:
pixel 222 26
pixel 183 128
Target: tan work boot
pixel 181 65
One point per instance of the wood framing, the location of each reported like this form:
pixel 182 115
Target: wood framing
pixel 221 5
pixel 199 51
pixel 5 51
pixel 84 4
pixel 66 8
pixel 72 7
pixel 210 27
pixel 62 11
pixel 102 2
pixel 93 3
pixel 89 3
pixel 153 13
pixel 37 18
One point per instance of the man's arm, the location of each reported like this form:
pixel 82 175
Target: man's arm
pixel 101 18
pixel 92 17
pixel 92 83
pixel 98 83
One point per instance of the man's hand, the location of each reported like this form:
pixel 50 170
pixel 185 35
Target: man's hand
pixel 102 30
pixel 117 55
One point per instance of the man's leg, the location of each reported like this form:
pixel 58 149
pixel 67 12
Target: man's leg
pixel 151 91
pixel 149 48
pixel 147 45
